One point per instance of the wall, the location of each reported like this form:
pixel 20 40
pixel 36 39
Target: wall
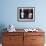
pixel 9 13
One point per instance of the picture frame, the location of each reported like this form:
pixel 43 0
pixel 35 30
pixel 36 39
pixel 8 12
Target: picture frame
pixel 26 14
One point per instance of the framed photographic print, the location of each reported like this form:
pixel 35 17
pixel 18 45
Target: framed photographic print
pixel 26 14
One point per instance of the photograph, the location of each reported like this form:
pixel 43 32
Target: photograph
pixel 26 14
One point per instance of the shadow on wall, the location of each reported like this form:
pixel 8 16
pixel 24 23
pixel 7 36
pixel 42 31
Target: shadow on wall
pixel 2 26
